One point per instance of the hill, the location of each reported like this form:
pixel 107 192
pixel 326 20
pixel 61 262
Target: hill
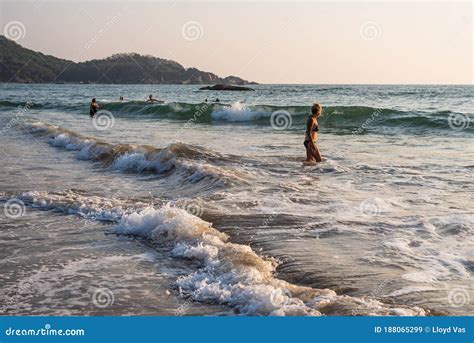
pixel 21 65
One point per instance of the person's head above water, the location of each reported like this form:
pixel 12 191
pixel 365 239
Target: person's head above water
pixel 150 96
pixel 93 100
pixel 316 109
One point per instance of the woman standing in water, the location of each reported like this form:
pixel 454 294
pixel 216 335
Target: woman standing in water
pixel 312 128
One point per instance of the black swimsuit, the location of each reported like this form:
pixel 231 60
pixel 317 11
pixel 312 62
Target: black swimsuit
pixel 93 110
pixel 307 139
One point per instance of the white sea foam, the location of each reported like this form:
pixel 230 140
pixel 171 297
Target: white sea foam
pixel 137 161
pixel 412 289
pixel 69 202
pixel 137 158
pixel 235 275
pixel 238 112
pixel 228 273
pixel 432 251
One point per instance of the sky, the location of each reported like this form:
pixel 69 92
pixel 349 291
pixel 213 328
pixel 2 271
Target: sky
pixel 308 42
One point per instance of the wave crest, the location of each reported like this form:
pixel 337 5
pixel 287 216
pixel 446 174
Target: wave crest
pixel 335 118
pixel 181 160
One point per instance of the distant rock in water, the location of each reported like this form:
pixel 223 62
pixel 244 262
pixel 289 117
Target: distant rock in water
pixel 21 65
pixel 220 87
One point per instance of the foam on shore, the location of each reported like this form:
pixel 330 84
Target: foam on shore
pixel 226 273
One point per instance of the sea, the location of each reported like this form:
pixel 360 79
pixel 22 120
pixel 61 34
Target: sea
pixel 189 206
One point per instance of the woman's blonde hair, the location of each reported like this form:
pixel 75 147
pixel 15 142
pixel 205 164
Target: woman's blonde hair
pixel 316 109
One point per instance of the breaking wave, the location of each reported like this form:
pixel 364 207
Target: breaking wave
pixel 177 159
pixel 336 118
pixel 226 273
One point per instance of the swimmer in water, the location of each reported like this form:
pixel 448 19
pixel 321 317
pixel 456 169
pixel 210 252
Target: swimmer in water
pixel 151 99
pixel 93 108
pixel 312 127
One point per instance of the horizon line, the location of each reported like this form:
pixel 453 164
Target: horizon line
pixel 257 84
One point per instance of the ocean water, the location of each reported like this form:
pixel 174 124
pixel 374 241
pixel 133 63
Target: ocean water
pixel 193 208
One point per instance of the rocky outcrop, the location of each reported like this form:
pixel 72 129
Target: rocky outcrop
pixel 223 87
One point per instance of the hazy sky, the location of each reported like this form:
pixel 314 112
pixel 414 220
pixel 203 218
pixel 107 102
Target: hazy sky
pixel 267 42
